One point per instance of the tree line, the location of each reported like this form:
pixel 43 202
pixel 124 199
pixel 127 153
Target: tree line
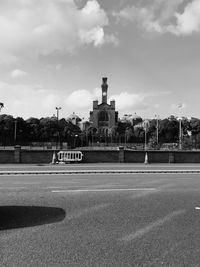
pixel 49 129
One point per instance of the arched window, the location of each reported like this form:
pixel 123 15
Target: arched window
pixel 103 116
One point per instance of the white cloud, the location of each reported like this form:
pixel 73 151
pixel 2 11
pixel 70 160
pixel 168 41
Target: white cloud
pixel 81 99
pixel 189 21
pixel 164 16
pixel 36 101
pixel 17 73
pixel 129 102
pixel 28 100
pixel 32 28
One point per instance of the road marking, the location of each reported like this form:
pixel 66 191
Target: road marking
pixel 53 187
pixel 20 183
pixel 102 190
pixel 141 232
pixel 11 187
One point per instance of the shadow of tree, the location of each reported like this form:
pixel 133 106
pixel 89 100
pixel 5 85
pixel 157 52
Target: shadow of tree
pixel 26 216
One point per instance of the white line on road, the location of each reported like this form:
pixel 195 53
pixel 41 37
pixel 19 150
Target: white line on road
pixel 12 187
pixel 102 190
pixel 85 211
pixel 54 187
pixel 139 233
pixel 19 183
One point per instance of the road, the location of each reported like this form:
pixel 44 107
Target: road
pixel 100 220
pixel 97 166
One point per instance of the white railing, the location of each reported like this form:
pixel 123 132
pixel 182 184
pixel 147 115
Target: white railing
pixel 69 156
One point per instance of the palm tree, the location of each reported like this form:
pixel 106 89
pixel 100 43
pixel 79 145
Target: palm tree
pixel 1 105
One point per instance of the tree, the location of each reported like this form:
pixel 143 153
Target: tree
pixel 1 105
pixel 169 130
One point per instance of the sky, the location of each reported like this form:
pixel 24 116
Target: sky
pixel 54 53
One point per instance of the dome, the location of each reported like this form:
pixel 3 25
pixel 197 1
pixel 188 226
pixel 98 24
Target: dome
pixel 134 117
pixel 73 117
pixel 126 117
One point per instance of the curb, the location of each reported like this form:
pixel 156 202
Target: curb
pixel 98 172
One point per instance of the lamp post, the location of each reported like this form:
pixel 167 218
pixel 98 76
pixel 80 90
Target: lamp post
pixel 156 117
pixel 15 132
pixel 180 130
pixel 75 136
pixel 58 134
pixel 145 125
pixel 180 135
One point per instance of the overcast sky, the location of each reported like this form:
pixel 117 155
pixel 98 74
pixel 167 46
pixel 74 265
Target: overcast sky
pixel 55 53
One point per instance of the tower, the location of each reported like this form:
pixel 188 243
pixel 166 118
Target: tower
pixel 104 88
pixel 104 118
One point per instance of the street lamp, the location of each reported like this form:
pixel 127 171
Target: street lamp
pixel 15 132
pixel 57 109
pixel 180 130
pixel 180 135
pixel 145 125
pixel 75 136
pixel 156 117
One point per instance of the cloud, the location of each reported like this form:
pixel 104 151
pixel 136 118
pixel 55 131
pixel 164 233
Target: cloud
pixel 189 21
pixel 37 101
pixel 28 100
pixel 33 28
pixel 129 102
pixel 164 16
pixel 81 99
pixel 17 73
pixel 125 102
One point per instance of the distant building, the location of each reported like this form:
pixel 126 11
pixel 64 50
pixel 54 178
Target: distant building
pixel 131 119
pixel 73 118
pixel 104 118
pixel 84 124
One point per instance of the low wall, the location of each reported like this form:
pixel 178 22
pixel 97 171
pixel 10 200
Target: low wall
pixel 37 156
pixel 19 155
pixel 7 156
pixel 100 156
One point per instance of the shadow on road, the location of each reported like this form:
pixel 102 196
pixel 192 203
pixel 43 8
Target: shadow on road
pixel 27 216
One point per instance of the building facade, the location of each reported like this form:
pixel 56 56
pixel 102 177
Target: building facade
pixel 104 118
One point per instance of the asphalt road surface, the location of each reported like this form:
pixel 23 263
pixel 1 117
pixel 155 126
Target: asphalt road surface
pixel 100 220
pixel 98 166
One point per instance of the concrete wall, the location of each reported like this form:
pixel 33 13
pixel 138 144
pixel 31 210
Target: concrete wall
pixel 7 156
pixel 39 156
pixel 19 155
pixel 153 157
pixel 100 156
